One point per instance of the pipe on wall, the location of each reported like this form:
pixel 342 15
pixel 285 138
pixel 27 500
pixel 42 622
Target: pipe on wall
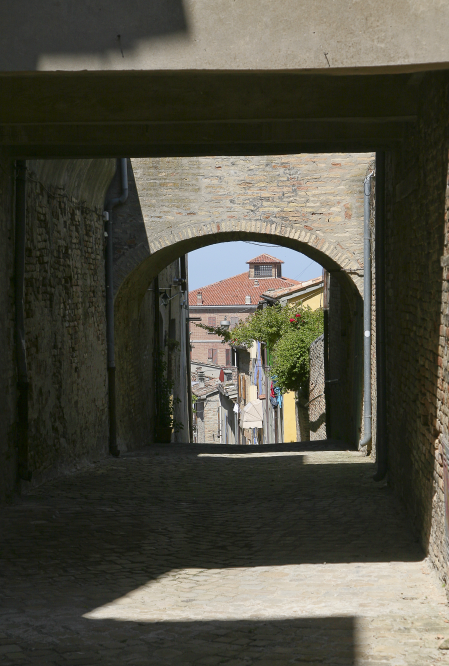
pixel 381 434
pixel 122 164
pixel 184 276
pixel 367 416
pixel 19 288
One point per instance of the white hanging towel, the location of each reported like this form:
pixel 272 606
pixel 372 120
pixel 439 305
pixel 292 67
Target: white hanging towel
pixel 252 416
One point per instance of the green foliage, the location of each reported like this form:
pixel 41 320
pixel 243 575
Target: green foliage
pixel 291 351
pixel 288 332
pixel 217 330
pixel 165 400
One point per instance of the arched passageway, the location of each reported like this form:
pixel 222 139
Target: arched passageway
pixel 416 303
pixel 177 205
pixel 137 306
pixel 255 90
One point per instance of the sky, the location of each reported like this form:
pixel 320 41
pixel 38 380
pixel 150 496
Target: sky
pixel 217 262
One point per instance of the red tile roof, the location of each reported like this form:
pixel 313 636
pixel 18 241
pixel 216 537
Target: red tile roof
pixel 296 288
pixel 233 290
pixel 265 259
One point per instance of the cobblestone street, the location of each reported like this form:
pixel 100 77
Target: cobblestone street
pixel 197 556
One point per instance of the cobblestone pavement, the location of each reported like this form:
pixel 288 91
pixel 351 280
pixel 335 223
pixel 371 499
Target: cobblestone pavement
pixel 196 556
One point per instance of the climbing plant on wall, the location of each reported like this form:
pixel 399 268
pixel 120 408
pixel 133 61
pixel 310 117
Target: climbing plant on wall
pixel 287 331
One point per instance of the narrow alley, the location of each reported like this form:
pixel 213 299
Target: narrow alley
pixel 194 555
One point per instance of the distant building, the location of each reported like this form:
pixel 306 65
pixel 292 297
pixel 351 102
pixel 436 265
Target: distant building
pixel 231 300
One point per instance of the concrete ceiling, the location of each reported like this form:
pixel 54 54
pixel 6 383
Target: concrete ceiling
pixel 136 114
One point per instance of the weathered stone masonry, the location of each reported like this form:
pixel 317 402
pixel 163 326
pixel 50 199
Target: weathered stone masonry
pixel 316 199
pixel 8 376
pixel 313 203
pixel 64 316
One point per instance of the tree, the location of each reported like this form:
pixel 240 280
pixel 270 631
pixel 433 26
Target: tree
pixel 288 332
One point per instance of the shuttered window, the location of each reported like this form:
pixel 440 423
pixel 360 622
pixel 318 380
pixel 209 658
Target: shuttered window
pixel 212 355
pixel 228 357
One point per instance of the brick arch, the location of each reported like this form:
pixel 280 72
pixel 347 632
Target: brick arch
pixel 300 239
pixel 310 203
pixel 140 266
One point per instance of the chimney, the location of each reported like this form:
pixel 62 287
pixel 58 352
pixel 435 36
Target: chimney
pixel 201 376
pixel 199 297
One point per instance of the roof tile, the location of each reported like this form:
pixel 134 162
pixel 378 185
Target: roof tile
pixel 233 290
pixel 277 293
pixel 265 259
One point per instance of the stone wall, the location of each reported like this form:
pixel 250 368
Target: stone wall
pixel 8 375
pixel 142 323
pixel 417 318
pixel 208 419
pixel 317 402
pixel 316 199
pixel 65 313
pixel 312 203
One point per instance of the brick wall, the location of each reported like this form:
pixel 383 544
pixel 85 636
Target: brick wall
pixel 417 318
pixel 64 317
pixel 65 313
pixel 200 350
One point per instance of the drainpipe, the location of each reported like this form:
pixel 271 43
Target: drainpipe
pixel 109 205
pixel 327 387
pixel 19 278
pixel 184 276
pixel 381 435
pixel 367 438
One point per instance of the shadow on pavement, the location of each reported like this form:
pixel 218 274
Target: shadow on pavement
pixel 89 539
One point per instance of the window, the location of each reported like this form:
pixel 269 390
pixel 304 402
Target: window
pixel 211 321
pixel 234 321
pixel 212 355
pixel 228 357
pixel 263 270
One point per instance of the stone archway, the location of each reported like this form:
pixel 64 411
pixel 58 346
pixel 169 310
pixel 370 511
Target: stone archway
pixel 313 202
pixel 177 205
pixel 133 317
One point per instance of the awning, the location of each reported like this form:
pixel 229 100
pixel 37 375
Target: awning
pixel 252 414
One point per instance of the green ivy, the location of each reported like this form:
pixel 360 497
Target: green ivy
pixel 287 331
pixel 164 394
